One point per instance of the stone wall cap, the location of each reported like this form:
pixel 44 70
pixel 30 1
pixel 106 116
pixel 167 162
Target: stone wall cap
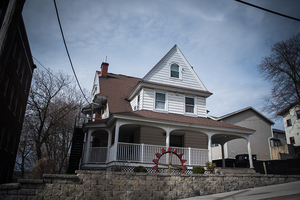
pixel 9 186
pixel 60 176
pixel 31 181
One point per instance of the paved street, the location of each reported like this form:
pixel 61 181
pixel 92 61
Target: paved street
pixel 289 191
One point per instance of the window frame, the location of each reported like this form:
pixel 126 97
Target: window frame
pixel 298 115
pixel 288 122
pixel 179 71
pixel 155 100
pixel 292 140
pixel 185 105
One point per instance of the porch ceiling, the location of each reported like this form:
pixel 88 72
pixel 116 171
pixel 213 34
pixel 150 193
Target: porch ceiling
pixel 223 138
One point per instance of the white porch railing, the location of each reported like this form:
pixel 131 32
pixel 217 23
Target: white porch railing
pixel 97 155
pixel 144 153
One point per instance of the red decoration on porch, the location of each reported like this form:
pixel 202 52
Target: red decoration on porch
pixel 169 150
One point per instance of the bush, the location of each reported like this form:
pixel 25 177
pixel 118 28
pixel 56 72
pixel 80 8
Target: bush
pixel 210 166
pixel 140 169
pixel 198 170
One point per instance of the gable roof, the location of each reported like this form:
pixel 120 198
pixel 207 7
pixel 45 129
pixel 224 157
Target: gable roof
pixel 173 55
pixel 243 110
pixel 281 113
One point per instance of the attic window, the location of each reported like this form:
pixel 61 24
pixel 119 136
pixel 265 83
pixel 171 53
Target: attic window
pixel 174 71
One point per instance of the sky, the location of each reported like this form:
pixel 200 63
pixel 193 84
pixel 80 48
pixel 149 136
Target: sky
pixel 223 40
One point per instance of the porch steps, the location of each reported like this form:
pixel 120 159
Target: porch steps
pixel 76 150
pixel 231 170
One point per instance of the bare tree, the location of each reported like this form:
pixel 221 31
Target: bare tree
pixel 282 69
pixel 52 105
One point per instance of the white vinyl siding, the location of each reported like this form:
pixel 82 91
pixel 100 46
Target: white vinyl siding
pixel 200 106
pixel 175 103
pixel 161 73
pixel 148 99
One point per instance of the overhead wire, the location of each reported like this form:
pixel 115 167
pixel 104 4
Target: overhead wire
pixel 62 33
pixel 271 11
pixel 45 67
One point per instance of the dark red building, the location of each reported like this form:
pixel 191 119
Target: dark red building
pixel 16 70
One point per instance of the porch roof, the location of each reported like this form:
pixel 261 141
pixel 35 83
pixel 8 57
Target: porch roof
pixel 182 119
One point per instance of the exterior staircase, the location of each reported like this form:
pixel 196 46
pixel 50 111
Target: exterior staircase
pixel 231 170
pixel 76 150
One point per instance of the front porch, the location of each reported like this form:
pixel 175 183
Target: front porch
pixel 132 143
pixel 143 154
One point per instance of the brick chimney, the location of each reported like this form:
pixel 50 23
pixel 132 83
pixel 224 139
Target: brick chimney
pixel 104 69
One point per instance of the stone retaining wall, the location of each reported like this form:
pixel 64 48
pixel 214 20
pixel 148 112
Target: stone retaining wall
pixel 118 185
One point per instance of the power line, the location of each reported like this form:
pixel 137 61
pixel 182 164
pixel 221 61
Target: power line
pixel 249 4
pixel 62 33
pixel 45 68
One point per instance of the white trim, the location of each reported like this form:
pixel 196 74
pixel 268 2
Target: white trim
pixel 195 106
pixel 179 70
pixel 166 100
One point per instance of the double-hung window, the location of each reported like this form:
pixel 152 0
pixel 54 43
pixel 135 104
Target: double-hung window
pixel 174 71
pixel 189 104
pixel 289 122
pixel 160 100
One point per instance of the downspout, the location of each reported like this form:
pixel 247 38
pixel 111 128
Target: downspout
pixel 269 141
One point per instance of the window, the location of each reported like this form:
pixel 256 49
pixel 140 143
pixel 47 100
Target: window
pixel 138 102
pixel 6 86
pixel 289 122
pixel 20 113
pixel 214 145
pixel 298 114
pixel 7 140
pixel 22 73
pixel 276 143
pixel 292 140
pixel 174 71
pixel 189 104
pixel 160 100
pixel 16 104
pixel 11 97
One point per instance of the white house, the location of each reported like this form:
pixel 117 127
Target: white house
pixel 291 120
pixel 133 118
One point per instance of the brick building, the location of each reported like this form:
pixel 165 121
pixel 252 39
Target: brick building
pixel 16 69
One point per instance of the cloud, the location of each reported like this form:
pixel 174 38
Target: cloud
pixel 223 40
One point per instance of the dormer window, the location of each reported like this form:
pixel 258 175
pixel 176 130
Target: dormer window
pixel 174 71
pixel 189 104
pixel 160 100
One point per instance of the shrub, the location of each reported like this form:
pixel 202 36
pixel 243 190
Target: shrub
pixel 210 166
pixel 198 170
pixel 140 169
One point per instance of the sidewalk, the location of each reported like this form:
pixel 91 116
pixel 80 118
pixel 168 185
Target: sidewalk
pixel 289 191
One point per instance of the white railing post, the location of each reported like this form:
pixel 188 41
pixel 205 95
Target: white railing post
pixel 142 159
pixel 189 155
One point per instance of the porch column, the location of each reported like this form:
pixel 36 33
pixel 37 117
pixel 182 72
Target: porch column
pixel 249 153
pixel 209 147
pixel 167 138
pixel 223 155
pixel 88 144
pixel 108 144
pixel 115 147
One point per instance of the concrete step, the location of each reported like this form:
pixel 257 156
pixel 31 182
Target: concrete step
pixel 231 170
